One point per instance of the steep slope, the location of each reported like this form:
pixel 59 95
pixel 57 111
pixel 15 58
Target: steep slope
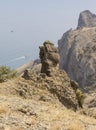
pixel 77 50
pixel 28 105
pixel 78 55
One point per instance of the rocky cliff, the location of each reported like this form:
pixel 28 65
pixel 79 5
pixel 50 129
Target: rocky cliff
pixel 77 50
pixel 86 19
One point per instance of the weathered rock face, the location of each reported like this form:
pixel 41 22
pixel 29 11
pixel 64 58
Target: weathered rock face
pixel 55 80
pixel 77 50
pixel 49 57
pixel 58 84
pixel 86 19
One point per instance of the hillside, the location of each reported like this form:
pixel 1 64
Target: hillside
pixel 46 100
pixel 25 105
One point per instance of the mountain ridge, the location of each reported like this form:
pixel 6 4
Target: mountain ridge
pixel 86 19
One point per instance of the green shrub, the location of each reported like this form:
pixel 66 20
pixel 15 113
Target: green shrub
pixel 6 73
pixel 80 97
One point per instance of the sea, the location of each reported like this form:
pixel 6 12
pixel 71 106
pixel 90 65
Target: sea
pixel 14 57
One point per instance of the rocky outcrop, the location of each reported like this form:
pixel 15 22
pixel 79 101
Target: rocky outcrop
pixel 57 81
pixel 77 50
pixel 59 85
pixel 49 57
pixel 86 19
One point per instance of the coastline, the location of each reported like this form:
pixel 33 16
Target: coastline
pixel 27 65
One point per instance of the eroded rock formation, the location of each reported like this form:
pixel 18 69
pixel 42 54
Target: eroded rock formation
pixel 55 80
pixel 49 58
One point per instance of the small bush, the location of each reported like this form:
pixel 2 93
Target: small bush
pixel 6 73
pixel 80 97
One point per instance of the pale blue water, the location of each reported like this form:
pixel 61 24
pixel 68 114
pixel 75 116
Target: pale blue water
pixel 15 57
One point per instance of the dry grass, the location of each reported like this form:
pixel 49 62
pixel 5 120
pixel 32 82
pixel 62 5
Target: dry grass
pixel 55 127
pixel 3 109
pixel 12 128
pixel 75 127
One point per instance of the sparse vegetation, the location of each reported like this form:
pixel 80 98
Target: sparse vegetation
pixel 80 97
pixel 6 73
pixel 48 42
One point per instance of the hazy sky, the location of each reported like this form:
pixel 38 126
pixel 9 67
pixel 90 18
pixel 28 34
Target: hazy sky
pixel 34 21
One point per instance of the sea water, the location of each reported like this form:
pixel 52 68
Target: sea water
pixel 17 48
pixel 15 57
